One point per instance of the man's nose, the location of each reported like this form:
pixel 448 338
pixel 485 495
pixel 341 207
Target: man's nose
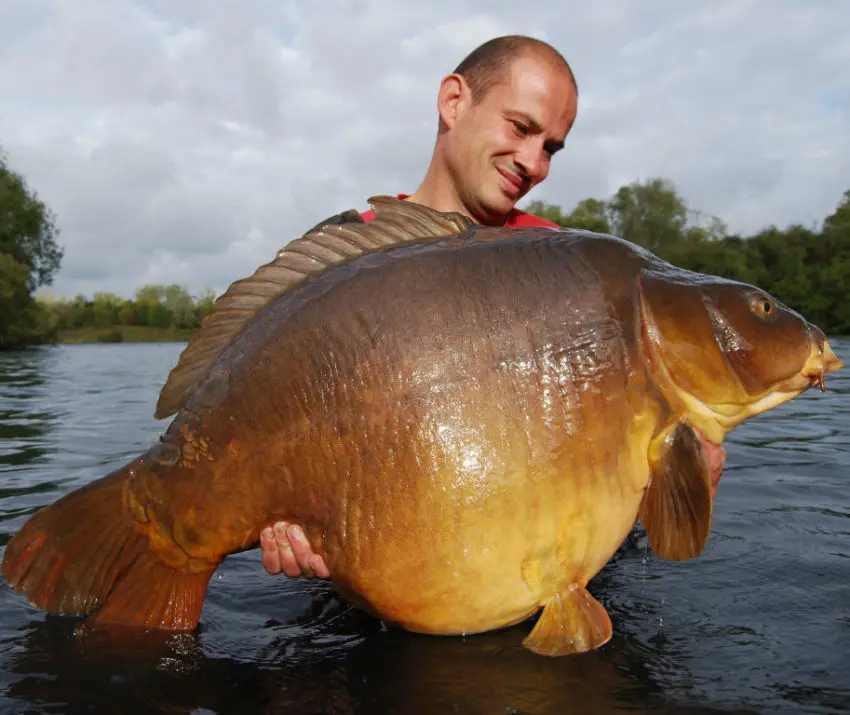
pixel 531 159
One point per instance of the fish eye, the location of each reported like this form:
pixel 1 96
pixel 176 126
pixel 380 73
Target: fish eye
pixel 762 306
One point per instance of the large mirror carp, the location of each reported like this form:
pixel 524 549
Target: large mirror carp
pixel 467 421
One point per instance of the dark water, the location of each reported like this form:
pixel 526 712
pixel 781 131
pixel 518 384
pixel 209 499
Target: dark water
pixel 759 623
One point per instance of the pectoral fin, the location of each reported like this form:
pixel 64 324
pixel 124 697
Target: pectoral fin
pixel 676 507
pixel 572 622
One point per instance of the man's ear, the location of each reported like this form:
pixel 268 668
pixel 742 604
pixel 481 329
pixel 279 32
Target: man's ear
pixel 453 99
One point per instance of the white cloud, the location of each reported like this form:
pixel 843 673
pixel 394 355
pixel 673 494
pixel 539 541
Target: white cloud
pixel 187 141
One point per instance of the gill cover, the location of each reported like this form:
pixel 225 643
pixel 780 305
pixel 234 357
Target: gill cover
pixel 726 343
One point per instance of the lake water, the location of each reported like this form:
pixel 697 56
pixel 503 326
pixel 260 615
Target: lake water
pixel 759 623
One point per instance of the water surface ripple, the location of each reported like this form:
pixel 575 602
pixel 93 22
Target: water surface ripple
pixel 760 623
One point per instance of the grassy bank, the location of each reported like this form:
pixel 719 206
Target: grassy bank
pixel 124 334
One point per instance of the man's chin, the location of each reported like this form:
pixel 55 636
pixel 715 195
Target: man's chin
pixel 493 215
pixel 499 205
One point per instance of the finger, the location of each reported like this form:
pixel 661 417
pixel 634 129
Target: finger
pixel 288 564
pixel 317 563
pixel 271 555
pixel 301 550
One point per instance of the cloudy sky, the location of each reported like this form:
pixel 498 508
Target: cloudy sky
pixel 187 140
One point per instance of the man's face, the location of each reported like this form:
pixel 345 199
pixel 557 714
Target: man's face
pixel 499 149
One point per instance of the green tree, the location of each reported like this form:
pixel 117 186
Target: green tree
pixel 143 311
pixel 14 300
pixel 23 321
pixel 30 258
pixel 650 214
pixel 831 309
pixel 838 223
pixel 78 312
pixel 160 316
pixel 27 228
pixel 591 215
pixel 728 257
pixel 549 212
pixel 148 297
pixel 105 309
pixel 150 293
pixel 181 306
pixel 205 303
pixel 128 313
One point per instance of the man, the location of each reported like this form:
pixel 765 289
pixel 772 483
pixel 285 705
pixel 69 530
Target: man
pixel 504 113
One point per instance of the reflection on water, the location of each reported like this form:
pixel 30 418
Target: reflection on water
pixel 759 623
pixel 24 419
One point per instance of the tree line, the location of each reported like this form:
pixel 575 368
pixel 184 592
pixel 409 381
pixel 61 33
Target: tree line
pixel 154 305
pixel 806 267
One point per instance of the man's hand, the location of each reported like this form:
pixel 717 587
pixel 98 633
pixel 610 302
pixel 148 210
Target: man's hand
pixel 286 549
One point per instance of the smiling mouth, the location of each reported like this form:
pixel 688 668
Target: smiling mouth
pixel 515 184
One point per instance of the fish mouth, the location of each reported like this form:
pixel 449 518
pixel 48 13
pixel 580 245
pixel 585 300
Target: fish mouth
pixel 821 361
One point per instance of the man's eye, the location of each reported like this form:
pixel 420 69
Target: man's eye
pixel 521 128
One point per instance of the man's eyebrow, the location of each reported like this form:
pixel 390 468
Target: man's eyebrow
pixel 553 145
pixel 527 118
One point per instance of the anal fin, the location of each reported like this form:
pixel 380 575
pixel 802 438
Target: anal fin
pixel 571 622
pixel 676 508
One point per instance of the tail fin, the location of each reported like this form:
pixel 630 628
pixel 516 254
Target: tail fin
pixel 85 554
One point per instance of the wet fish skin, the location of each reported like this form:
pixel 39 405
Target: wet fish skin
pixel 467 425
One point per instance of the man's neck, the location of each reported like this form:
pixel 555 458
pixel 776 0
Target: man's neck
pixel 438 199
pixel 440 195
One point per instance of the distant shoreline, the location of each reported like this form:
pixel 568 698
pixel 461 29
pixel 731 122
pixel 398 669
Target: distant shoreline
pixel 123 334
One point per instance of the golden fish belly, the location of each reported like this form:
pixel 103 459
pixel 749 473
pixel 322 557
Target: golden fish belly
pixel 479 521
pixel 461 568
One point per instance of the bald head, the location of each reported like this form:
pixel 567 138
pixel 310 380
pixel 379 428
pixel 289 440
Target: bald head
pixel 503 114
pixel 487 64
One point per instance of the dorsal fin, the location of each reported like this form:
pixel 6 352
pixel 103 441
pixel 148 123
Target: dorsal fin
pixel 396 221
